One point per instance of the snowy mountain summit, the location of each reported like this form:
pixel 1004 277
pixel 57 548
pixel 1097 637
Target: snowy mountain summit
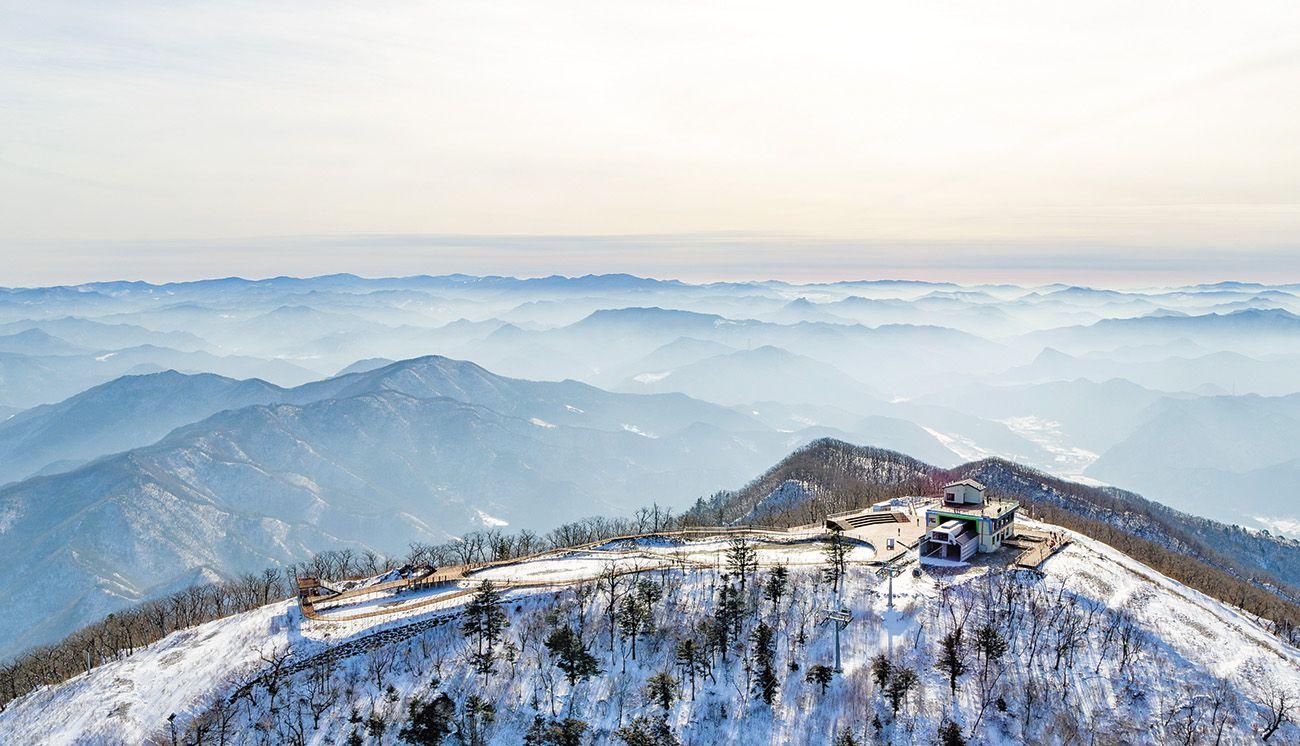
pixel 698 638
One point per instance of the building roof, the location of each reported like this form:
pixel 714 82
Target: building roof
pixel 990 509
pixel 965 483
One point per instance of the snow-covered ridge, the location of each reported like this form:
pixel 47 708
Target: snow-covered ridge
pixel 1186 649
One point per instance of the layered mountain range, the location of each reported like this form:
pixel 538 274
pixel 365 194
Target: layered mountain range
pixel 419 450
pixel 158 435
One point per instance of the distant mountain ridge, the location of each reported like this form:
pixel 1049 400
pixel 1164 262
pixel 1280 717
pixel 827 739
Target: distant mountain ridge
pixel 417 450
pixel 1221 456
pixel 1250 330
pixel 125 413
pixel 135 411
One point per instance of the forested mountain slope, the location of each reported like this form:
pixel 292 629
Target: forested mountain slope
pixel 1250 568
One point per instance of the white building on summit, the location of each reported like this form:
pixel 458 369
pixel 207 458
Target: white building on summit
pixel 966 522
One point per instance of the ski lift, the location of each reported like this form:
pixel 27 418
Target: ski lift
pixel 839 619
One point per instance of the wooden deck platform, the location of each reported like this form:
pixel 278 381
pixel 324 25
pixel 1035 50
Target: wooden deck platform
pixel 1037 546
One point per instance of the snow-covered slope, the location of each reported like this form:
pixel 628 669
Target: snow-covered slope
pixel 1099 644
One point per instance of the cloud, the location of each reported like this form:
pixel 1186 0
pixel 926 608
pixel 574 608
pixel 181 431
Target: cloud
pixel 695 257
pixel 1012 134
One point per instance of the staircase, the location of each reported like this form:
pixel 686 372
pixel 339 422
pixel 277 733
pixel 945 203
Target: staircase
pixel 969 543
pixel 868 519
pixel 863 518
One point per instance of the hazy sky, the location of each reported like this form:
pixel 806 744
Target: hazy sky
pixel 698 139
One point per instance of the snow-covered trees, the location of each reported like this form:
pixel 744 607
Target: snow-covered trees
pixel 476 716
pixel 430 721
pixel 485 622
pixel 775 585
pixel 991 646
pixel 821 675
pixel 696 630
pixel 766 683
pixel 571 655
pixel 727 618
pixel 950 734
pixel 647 731
pixel 635 613
pixel 566 732
pixel 691 660
pixel 742 559
pixel 836 551
pixel 952 659
pixel 661 689
pixel 881 669
pixel 898 681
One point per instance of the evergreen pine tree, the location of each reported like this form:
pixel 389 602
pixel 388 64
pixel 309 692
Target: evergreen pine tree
pixel 950 734
pixel 572 657
pixel 727 618
pixel 836 552
pixel 742 559
pixel 950 660
pixel 430 721
pixel 662 690
pixel 775 586
pixel 476 715
pixel 485 622
pixel 690 659
pixel 820 675
pixel 881 669
pixel 766 682
pixel 566 732
pixel 646 731
pixel 901 681
pixel 991 646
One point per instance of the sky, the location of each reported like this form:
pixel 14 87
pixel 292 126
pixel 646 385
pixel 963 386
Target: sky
pixel 1036 140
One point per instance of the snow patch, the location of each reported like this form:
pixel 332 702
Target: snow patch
pixel 1070 460
pixel 638 431
pixel 651 377
pixel 1286 526
pixel 964 447
pixel 491 521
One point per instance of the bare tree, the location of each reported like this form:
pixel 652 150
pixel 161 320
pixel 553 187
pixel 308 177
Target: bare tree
pixel 609 584
pixel 276 659
pixel 379 663
pixel 1278 701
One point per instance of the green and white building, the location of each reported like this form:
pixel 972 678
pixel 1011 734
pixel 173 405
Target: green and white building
pixel 964 522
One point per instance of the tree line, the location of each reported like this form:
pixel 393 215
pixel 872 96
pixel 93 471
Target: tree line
pixel 123 632
pixel 1010 655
